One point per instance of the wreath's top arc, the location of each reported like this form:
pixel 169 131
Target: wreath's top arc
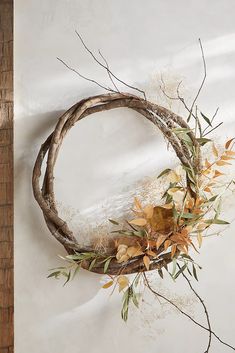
pixel 163 118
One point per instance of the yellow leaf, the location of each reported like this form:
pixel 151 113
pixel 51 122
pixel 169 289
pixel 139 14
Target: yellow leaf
pixel 123 282
pixel 207 164
pixel 228 143
pixel 123 258
pixel 215 151
pixel 133 251
pixel 171 191
pixel 206 172
pixel 146 261
pixel 148 210
pixel 199 239
pixel 139 222
pixel 168 206
pixel 137 203
pixel 108 284
pixel 221 163
pixel 173 177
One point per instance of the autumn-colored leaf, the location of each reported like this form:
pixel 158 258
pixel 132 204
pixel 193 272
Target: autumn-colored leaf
pixel 148 211
pixel 162 220
pixel 139 222
pixel 173 177
pixel 221 163
pixel 133 251
pixel 230 153
pixel 167 244
pixel 173 250
pixel 215 151
pixel 146 261
pixel 228 143
pixel 151 253
pixel 123 282
pixel 217 173
pixel 199 239
pixel 226 158
pixel 108 284
pixel 137 204
pixel 161 238
pixel 207 164
pixel 207 189
pixel 168 206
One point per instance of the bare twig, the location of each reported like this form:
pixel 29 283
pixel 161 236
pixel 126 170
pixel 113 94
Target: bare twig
pixel 204 306
pixel 184 313
pixel 84 77
pixel 203 80
pixel 107 67
pixel 108 72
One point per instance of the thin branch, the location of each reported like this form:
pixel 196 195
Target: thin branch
pixel 213 129
pixel 107 68
pixel 108 72
pixel 184 313
pixel 217 109
pixel 84 77
pixel 204 306
pixel 203 80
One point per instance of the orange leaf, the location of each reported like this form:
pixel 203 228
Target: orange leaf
pixel 133 251
pixel 167 244
pixel 218 173
pixel 161 238
pixel 226 158
pixel 146 261
pixel 162 220
pixel 230 153
pixel 108 284
pixel 206 189
pixel 228 143
pixel 221 163
pixel 151 253
pixel 215 151
pixel 173 250
pixel 148 210
pixel 139 222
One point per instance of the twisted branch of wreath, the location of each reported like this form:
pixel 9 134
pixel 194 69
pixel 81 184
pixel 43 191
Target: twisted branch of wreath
pixel 166 121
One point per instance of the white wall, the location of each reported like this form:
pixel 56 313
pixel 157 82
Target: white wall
pixel 113 151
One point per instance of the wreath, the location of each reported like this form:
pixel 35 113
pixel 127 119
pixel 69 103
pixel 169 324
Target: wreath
pixel 159 236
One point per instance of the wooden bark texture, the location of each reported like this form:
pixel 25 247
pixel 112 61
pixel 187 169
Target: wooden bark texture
pixel 6 176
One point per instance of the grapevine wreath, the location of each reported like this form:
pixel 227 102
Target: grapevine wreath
pixel 160 236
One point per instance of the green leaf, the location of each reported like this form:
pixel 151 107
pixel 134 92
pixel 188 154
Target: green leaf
pixel 106 264
pixel 195 272
pixel 188 215
pixel 92 264
pixel 202 141
pixel 180 271
pixel 54 274
pixel 160 273
pixel 164 172
pixel 216 221
pixel 212 198
pixel 77 269
pixel 206 119
pixel 113 222
pixel 68 278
